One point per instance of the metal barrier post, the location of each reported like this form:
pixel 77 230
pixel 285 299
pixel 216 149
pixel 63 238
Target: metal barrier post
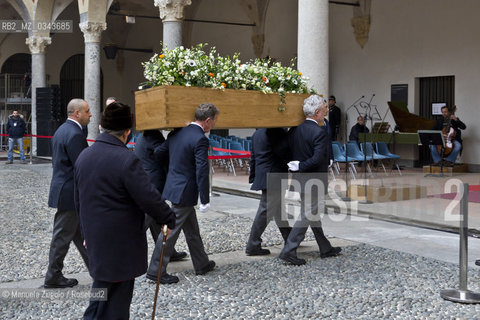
pixel 31 150
pixel 462 295
pixel 210 175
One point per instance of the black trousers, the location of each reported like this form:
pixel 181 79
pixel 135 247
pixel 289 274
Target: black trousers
pixel 66 228
pixel 262 219
pixel 117 305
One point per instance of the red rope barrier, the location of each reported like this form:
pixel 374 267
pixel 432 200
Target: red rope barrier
pixel 241 154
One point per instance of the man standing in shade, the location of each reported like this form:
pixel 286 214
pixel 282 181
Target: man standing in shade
pixel 309 145
pixel 67 143
pixel 334 117
pixel 112 194
pixel 270 153
pixel 188 176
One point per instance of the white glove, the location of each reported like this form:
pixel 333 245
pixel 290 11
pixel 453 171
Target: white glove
pixel 331 162
pixel 293 165
pixel 204 207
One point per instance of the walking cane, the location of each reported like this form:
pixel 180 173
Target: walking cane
pixel 159 274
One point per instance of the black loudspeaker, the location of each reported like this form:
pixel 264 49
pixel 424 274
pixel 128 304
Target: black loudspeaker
pixel 48 117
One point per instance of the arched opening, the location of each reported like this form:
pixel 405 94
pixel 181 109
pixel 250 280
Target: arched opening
pixel 19 63
pixel 72 77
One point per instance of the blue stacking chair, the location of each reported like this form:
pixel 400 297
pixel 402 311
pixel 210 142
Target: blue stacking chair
pixel 355 154
pixel 133 140
pixel 216 144
pixel 237 146
pixel 247 145
pixel 367 148
pixel 382 149
pixel 339 157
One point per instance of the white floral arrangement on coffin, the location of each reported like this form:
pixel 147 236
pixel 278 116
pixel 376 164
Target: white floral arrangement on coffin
pixel 197 68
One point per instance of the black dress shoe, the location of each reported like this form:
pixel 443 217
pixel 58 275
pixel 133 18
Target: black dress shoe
pixel 177 256
pixel 257 252
pixel 209 267
pixel 477 262
pixel 61 283
pixel 293 260
pixel 164 279
pixel 335 251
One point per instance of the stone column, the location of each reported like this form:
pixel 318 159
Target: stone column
pixel 37 46
pixel 171 13
pixel 92 33
pixel 312 43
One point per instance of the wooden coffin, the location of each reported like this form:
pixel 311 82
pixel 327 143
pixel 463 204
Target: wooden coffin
pixel 174 106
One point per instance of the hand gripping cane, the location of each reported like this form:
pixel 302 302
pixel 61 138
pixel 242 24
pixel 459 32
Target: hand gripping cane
pixel 159 274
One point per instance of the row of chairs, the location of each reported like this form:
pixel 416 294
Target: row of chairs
pixel 231 143
pixel 358 154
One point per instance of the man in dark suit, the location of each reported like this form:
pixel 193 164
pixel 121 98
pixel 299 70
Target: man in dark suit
pixel 112 194
pixel 270 153
pixel 157 172
pixel 334 118
pixel 188 176
pixel 309 145
pixel 67 143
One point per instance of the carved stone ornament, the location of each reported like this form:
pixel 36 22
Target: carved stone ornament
pixel 172 10
pixel 92 31
pixel 361 27
pixel 37 45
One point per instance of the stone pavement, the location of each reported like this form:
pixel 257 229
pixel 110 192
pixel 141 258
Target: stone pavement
pixel 387 270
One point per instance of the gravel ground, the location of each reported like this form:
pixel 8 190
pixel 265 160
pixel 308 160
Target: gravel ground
pixel 26 223
pixel 366 282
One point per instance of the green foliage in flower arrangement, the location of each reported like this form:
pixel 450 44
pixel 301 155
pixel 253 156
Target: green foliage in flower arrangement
pixel 198 68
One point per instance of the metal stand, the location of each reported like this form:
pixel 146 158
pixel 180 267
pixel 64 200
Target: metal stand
pixel 210 178
pixel 365 163
pixel 462 295
pixel 346 198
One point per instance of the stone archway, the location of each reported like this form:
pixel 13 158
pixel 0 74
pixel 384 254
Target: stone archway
pixel 72 85
pixel 19 63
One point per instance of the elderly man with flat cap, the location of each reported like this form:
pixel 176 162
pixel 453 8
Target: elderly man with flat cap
pixel 112 195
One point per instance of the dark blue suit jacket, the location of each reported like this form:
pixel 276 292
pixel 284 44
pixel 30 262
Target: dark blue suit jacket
pixel 270 153
pixel 188 172
pixel 144 147
pixel 67 143
pixel 328 129
pixel 309 145
pixel 112 195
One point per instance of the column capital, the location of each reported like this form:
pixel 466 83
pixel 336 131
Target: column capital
pixel 172 10
pixel 92 31
pixel 38 44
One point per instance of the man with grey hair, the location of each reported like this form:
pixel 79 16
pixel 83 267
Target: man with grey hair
pixel 309 145
pixel 67 143
pixel 187 177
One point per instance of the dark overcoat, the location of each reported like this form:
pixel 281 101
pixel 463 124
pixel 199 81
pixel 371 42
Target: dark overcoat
pixel 188 171
pixel 67 143
pixel 270 153
pixel 112 195
pixel 144 148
